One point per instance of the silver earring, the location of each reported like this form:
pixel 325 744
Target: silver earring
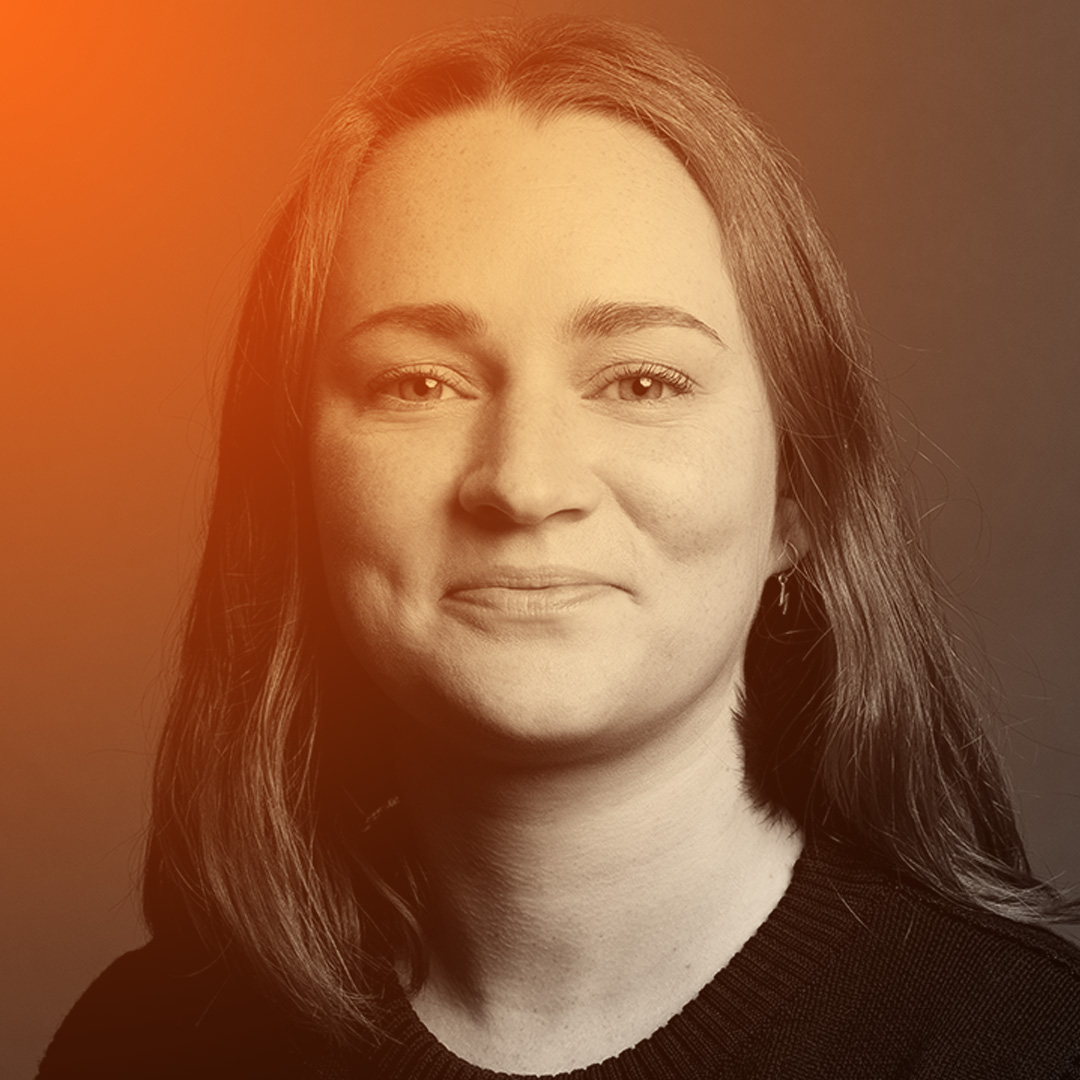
pixel 783 580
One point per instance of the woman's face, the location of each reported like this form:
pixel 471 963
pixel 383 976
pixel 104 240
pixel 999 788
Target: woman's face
pixel 543 457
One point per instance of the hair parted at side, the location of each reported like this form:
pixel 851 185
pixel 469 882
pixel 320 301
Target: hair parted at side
pixel 856 718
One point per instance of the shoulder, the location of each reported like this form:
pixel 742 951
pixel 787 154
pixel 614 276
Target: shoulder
pixel 156 1012
pixel 976 993
pixel 943 941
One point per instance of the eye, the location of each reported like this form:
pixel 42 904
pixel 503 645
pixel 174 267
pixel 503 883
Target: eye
pixel 648 383
pixel 641 387
pixel 420 388
pixel 415 387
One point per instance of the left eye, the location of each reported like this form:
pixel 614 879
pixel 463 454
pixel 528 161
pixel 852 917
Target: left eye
pixel 645 385
pixel 640 388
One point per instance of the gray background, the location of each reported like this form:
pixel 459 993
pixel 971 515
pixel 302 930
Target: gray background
pixel 941 139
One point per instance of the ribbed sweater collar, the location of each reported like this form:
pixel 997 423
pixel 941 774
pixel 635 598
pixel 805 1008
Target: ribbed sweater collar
pixel 823 907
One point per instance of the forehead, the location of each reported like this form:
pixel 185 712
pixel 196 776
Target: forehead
pixel 522 218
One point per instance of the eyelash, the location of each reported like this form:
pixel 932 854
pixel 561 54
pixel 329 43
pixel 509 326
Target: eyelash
pixel 677 382
pixel 387 380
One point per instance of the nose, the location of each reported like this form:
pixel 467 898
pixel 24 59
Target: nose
pixel 530 462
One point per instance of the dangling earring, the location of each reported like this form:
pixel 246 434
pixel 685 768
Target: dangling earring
pixel 782 578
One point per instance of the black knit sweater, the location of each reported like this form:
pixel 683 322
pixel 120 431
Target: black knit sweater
pixel 855 974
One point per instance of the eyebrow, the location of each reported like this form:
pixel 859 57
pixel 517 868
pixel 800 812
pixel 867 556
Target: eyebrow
pixel 594 319
pixel 606 319
pixel 437 320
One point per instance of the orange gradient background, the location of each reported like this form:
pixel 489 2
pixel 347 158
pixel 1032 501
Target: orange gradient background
pixel 143 143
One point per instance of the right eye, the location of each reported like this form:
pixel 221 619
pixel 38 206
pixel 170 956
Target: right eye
pixel 415 387
pixel 420 388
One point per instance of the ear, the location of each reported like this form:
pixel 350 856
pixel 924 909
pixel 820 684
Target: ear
pixel 791 537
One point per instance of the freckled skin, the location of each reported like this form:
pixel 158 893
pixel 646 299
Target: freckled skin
pixel 643 458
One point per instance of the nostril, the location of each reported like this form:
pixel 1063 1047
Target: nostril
pixel 491 518
pixel 511 491
pixel 496 500
pixel 531 461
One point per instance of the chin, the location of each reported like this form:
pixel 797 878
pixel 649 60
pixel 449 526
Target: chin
pixel 521 724
pixel 538 719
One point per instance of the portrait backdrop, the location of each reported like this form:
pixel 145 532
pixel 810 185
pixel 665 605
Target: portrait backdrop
pixel 145 142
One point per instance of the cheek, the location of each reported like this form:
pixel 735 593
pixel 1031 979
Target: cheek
pixel 364 529
pixel 342 497
pixel 355 536
pixel 705 495
pixel 371 505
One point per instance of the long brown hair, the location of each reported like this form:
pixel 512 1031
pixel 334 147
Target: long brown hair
pixel 857 719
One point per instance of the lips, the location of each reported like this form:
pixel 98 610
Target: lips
pixel 531 592
pixel 537 577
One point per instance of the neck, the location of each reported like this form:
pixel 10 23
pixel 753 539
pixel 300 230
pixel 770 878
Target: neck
pixel 592 899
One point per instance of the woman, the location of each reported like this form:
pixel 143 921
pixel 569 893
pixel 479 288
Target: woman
pixel 563 688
